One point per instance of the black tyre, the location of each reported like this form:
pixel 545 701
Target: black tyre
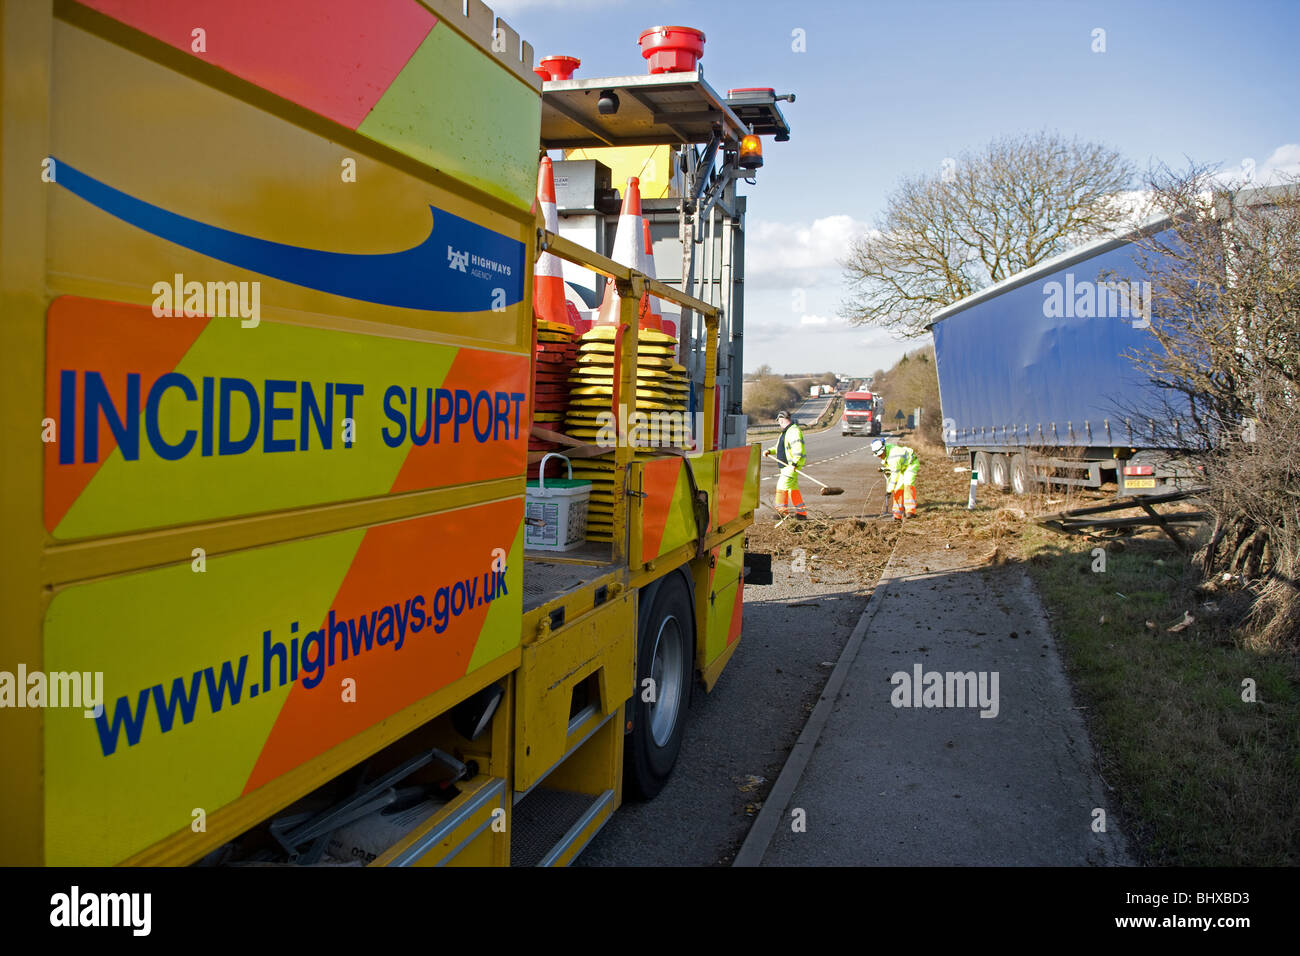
pixel 999 471
pixel 981 466
pixel 666 655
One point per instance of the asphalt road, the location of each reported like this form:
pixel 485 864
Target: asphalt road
pixel 836 460
pixel 794 630
pixel 810 410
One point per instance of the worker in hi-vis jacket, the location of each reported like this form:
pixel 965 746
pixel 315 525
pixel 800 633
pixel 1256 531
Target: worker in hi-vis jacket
pixel 902 465
pixel 791 454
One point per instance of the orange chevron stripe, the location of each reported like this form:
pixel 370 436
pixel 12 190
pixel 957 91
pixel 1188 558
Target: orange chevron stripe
pixel 455 463
pixel 114 339
pixel 737 611
pixel 733 465
pixel 394 563
pixel 660 485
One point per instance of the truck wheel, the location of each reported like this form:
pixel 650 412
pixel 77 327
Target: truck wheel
pixel 665 655
pixel 981 466
pixel 1019 474
pixel 998 476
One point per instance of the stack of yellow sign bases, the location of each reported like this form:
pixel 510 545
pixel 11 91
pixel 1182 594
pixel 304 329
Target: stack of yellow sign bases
pixel 600 503
pixel 662 393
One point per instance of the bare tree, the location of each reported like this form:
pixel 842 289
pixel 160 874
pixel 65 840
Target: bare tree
pixel 986 216
pixel 912 383
pixel 1225 278
pixel 769 395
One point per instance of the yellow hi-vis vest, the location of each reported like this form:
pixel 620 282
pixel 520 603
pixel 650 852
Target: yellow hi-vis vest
pixel 901 462
pixel 790 448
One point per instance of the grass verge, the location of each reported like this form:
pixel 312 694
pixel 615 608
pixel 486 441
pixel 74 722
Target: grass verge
pixel 1202 775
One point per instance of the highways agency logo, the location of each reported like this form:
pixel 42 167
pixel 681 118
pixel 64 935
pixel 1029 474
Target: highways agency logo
pixel 481 267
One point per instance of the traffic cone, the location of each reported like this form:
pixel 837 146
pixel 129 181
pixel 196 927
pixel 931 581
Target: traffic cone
pixel 554 338
pixel 629 249
pixel 651 317
pixel 548 276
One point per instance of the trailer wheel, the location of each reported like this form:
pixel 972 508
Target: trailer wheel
pixel 998 476
pixel 981 466
pixel 665 655
pixel 1019 474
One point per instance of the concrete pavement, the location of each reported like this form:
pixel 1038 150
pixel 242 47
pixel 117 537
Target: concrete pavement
pixel 871 783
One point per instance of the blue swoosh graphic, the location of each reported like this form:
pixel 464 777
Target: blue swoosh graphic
pixel 422 277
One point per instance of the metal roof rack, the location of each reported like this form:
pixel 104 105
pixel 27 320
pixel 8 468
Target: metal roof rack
pixel 653 109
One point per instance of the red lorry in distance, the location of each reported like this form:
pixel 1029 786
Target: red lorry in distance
pixel 861 414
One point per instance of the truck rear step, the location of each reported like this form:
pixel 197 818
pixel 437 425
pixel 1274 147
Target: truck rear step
pixel 552 826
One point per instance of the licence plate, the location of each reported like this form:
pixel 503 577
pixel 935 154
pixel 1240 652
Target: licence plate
pixel 1140 482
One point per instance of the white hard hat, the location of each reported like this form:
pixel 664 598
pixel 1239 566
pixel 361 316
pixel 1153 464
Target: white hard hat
pixel 877 448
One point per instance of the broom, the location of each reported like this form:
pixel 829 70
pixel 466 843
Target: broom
pixel 826 489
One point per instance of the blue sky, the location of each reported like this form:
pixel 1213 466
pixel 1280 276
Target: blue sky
pixel 887 90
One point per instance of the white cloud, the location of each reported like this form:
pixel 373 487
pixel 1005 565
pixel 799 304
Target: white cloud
pixel 798 255
pixel 1283 161
pixel 1282 165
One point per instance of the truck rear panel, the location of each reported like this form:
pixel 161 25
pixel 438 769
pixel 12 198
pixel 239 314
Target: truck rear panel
pixel 268 283
pixel 266 272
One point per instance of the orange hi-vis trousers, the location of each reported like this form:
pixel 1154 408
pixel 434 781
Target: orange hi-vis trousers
pixel 904 500
pixel 790 501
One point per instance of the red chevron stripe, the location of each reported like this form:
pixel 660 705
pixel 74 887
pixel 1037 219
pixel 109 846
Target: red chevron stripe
pixel 335 57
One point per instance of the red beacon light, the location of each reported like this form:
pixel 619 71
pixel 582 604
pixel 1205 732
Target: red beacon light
pixel 672 49
pixel 559 67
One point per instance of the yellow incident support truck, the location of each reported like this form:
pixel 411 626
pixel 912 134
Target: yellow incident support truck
pixel 267 288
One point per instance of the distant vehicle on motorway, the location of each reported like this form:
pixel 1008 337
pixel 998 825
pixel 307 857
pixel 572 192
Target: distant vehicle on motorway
pixel 861 414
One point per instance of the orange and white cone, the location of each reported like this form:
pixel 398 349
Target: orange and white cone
pixel 548 276
pixel 651 317
pixel 629 249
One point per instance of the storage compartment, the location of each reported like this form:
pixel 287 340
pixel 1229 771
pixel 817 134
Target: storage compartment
pixel 434 797
pixel 600 646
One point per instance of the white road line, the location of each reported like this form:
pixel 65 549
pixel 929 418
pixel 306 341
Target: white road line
pixel 822 461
